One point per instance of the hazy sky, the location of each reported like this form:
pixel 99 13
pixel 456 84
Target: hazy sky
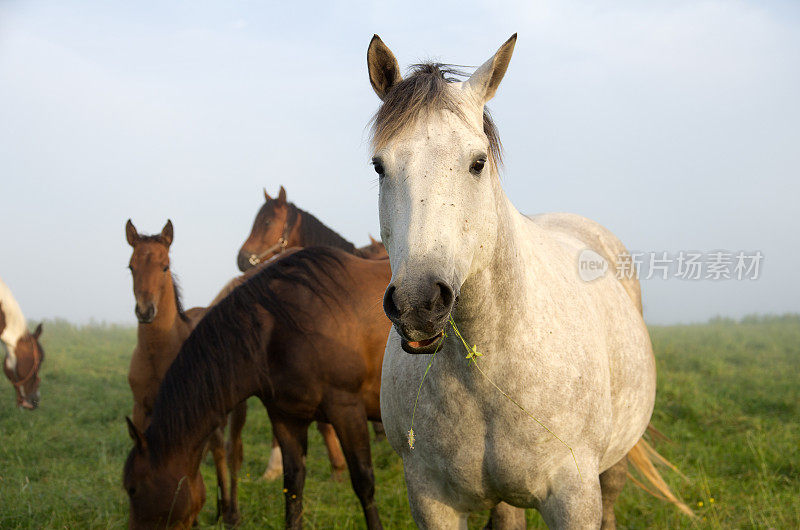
pixel 675 124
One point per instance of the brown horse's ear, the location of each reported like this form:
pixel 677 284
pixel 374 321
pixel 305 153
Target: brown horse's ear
pixel 166 233
pixel 37 332
pixel 266 195
pixel 373 240
pixel 384 72
pixel 282 196
pixel 130 233
pixel 136 435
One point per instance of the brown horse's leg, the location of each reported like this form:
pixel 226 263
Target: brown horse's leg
pixel 292 435
pixel 380 432
pixel 235 457
pixel 275 463
pixel 216 444
pixel 350 423
pixel 612 480
pixel 506 517
pixel 338 463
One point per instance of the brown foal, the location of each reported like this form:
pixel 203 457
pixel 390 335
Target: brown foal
pixel 162 329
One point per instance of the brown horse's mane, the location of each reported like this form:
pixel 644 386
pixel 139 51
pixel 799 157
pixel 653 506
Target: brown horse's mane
pixel 316 233
pixel 426 89
pixel 202 383
pixel 176 288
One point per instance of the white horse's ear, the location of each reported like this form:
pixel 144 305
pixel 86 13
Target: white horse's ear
pixel 485 80
pixel 384 72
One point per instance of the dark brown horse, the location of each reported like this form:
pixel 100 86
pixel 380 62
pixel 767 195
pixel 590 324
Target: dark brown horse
pixel 163 327
pixel 24 354
pixel 306 335
pixel 279 224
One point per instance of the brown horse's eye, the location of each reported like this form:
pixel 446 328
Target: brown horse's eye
pixel 477 166
pixel 130 268
pixel 131 491
pixel 166 268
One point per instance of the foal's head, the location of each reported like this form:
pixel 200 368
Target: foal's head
pixel 149 265
pixel 163 493
pixel 272 232
pixel 25 374
pixel 436 152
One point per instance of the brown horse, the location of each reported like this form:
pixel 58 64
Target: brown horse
pixel 280 224
pixel 24 354
pixel 306 335
pixel 163 327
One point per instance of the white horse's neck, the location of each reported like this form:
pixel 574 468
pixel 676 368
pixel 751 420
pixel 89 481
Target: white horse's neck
pixel 492 293
pixel 16 327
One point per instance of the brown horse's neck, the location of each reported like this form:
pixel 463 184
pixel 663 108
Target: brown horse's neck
pixel 313 233
pixel 209 377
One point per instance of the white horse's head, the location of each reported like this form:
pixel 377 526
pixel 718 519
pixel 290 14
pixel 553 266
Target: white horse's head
pixel 436 153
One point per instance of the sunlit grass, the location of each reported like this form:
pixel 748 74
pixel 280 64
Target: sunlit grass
pixel 728 398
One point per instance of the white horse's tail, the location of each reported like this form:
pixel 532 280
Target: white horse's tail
pixel 641 457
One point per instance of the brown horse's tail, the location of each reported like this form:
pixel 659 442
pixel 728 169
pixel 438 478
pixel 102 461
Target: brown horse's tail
pixel 641 457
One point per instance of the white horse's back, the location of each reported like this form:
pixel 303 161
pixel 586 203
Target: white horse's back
pixel 16 327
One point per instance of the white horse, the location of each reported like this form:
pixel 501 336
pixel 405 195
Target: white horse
pixel 574 354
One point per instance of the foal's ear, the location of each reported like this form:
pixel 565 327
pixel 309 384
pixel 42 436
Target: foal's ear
pixel 37 332
pixel 384 72
pixel 485 80
pixel 282 196
pixel 266 195
pixel 136 435
pixel 166 233
pixel 130 233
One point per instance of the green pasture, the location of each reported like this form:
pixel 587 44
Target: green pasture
pixel 728 398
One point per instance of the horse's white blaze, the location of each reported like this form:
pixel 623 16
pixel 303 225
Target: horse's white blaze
pixel 16 327
pixel 574 354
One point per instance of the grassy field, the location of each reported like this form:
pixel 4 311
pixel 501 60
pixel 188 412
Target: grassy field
pixel 729 399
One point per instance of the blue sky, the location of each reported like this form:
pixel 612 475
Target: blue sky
pixel 675 124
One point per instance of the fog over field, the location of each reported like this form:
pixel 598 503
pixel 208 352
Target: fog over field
pixel 675 124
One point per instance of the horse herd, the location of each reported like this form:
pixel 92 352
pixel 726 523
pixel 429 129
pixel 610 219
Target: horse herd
pixel 502 379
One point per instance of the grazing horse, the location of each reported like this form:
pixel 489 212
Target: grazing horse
pixel 163 327
pixel 279 225
pixel 24 354
pixel 305 334
pixel 559 382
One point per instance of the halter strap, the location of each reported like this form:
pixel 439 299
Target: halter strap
pixel 282 243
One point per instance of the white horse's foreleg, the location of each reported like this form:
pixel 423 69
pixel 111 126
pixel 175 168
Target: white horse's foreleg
pixel 573 503
pixel 431 513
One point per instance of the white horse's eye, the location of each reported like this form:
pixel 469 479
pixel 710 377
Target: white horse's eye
pixel 376 164
pixel 477 166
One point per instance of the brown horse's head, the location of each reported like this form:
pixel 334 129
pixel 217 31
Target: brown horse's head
pixel 163 493
pixel 25 374
pixel 274 229
pixel 149 267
